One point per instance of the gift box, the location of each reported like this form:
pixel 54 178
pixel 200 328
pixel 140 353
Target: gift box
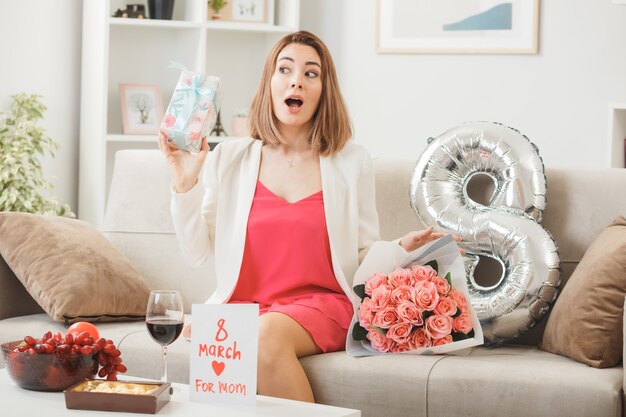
pixel 192 111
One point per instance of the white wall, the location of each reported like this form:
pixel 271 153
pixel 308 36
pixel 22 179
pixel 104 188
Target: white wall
pixel 559 98
pixel 40 48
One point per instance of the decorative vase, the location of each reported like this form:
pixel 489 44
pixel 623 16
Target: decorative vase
pixel 161 9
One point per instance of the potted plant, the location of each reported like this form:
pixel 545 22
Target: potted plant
pixel 22 142
pixel 217 5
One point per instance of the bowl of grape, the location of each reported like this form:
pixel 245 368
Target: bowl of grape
pixel 55 362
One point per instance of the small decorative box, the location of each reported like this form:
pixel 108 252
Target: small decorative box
pixel 192 111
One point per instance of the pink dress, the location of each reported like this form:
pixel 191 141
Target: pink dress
pixel 287 267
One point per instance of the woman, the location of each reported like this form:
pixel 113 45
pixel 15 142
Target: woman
pixel 296 213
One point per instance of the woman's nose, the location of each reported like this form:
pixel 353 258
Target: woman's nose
pixel 296 81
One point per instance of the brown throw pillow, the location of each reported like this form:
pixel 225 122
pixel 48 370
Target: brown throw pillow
pixel 14 299
pixel 71 270
pixel 586 321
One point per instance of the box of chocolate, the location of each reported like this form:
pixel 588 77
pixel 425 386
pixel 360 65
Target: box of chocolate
pixel 123 396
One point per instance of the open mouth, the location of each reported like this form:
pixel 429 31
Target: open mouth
pixel 294 102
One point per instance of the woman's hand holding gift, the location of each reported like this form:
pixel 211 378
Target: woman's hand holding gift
pixel 417 239
pixel 185 166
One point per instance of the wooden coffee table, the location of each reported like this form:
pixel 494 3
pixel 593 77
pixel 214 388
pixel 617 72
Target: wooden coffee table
pixel 18 401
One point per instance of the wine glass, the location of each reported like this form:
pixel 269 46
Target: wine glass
pixel 164 319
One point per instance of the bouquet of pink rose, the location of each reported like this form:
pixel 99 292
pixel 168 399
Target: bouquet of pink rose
pixel 411 308
pixel 417 307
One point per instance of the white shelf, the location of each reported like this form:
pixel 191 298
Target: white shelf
pixel 133 138
pixel 174 24
pixel 154 138
pixel 219 139
pixel 210 25
pixel 249 27
pixel 138 51
pixel 617 135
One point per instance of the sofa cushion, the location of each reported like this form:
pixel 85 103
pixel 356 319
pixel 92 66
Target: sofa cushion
pixel 70 269
pixel 385 385
pixel 511 381
pixel 147 237
pixel 586 321
pixel 14 299
pixel 521 381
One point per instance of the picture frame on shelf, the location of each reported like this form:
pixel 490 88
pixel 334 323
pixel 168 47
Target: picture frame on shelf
pixel 142 108
pixel 253 11
pixel 458 27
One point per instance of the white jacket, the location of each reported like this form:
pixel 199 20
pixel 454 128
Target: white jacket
pixel 213 216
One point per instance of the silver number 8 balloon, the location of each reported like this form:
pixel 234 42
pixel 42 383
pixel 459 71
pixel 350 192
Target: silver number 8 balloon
pixel 507 229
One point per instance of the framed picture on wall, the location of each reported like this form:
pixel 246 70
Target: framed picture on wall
pixel 458 26
pixel 142 108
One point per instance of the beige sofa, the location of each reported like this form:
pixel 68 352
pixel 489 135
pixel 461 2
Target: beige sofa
pixel 513 380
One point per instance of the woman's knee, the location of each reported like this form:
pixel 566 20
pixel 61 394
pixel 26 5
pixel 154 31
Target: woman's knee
pixel 281 335
pixel 275 343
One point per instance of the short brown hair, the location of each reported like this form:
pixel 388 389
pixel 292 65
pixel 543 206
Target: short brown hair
pixel 331 127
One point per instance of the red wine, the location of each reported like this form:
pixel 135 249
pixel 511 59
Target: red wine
pixel 164 331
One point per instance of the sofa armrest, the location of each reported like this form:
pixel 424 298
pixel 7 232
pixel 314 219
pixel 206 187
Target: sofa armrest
pixel 14 299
